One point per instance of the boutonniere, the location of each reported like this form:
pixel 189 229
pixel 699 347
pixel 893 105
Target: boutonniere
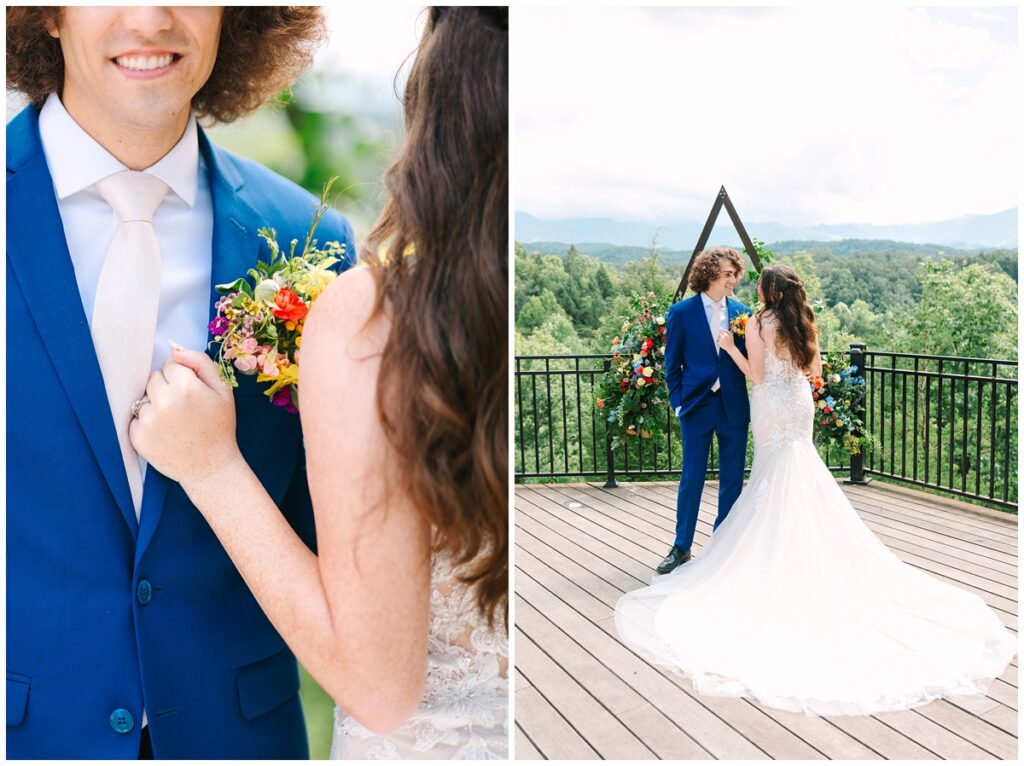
pixel 738 324
pixel 259 322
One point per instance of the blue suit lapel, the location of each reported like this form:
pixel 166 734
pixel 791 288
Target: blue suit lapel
pixel 702 328
pixel 38 254
pixel 235 247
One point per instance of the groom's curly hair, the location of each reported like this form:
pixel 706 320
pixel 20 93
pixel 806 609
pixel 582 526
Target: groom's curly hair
pixel 263 49
pixel 707 266
pixel 443 398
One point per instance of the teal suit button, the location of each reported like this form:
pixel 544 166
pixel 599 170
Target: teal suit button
pixel 121 721
pixel 144 592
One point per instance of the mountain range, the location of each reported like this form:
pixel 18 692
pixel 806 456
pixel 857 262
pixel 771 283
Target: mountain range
pixel 968 232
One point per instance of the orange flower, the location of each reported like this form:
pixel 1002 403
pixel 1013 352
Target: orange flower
pixel 600 402
pixel 289 306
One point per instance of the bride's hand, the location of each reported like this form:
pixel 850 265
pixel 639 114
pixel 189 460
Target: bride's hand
pixel 725 340
pixel 187 428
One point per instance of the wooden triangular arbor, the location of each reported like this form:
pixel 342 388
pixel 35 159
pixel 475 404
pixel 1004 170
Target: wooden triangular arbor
pixel 722 199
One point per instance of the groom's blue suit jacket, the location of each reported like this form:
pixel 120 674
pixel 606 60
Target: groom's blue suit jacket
pixel 107 616
pixel 692 363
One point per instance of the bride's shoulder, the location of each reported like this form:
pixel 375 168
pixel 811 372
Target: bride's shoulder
pixel 342 336
pixel 345 309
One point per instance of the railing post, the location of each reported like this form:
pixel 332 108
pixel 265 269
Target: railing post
pixel 609 455
pixel 858 359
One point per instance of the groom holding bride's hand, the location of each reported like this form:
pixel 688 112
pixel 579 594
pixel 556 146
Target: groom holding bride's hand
pixel 129 632
pixel 707 391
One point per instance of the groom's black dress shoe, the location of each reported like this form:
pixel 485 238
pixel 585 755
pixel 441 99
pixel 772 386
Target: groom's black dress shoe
pixel 675 557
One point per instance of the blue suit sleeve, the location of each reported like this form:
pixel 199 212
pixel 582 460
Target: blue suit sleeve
pixel 674 340
pixel 335 228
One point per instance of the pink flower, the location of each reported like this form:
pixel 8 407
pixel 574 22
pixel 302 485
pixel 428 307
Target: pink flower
pixel 245 363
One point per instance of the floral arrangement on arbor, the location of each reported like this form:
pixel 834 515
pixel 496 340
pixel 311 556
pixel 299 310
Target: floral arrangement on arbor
pixel 633 392
pixel 837 395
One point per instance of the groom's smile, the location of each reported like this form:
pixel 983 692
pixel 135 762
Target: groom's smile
pixel 136 68
pixel 146 65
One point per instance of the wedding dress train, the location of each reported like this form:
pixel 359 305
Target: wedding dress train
pixel 464 711
pixel 795 603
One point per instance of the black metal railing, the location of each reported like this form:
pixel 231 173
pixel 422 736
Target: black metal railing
pixel 944 423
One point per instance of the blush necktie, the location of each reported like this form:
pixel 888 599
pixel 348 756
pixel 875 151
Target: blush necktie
pixel 716 318
pixel 127 299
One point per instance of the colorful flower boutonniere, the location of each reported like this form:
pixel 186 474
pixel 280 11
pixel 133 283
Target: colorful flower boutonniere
pixel 738 324
pixel 258 326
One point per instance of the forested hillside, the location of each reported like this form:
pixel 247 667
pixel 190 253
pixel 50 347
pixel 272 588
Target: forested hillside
pixel 893 296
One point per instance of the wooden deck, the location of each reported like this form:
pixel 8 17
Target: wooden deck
pixel 579 693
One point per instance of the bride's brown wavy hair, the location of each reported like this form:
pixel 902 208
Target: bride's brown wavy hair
pixel 439 254
pixel 786 300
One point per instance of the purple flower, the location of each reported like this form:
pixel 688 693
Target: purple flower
pixel 219 326
pixel 283 398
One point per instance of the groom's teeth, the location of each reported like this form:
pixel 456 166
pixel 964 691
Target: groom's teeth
pixel 144 63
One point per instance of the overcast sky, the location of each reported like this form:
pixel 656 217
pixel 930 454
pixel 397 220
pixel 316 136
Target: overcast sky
pixel 806 115
pixel 372 43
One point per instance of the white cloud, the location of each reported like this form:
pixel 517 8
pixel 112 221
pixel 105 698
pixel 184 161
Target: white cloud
pixel 807 115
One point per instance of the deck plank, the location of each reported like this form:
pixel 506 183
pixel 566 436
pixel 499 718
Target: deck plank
pixel 581 694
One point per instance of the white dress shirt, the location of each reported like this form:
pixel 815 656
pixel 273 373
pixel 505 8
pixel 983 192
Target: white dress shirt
pixel 723 323
pixel 183 223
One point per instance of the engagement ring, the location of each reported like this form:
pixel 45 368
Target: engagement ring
pixel 138 405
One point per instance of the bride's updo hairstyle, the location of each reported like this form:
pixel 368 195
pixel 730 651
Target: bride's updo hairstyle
pixel 785 299
pixel 439 254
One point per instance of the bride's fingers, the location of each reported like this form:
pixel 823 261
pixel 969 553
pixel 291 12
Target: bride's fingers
pixel 200 364
pixel 174 372
pixel 156 386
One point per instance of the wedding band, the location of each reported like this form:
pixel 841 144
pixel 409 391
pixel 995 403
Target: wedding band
pixel 138 405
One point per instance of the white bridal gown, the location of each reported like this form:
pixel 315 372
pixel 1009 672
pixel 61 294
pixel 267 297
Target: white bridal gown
pixel 464 711
pixel 795 603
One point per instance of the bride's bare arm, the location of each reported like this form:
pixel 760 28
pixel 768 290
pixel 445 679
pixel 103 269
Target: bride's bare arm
pixel 816 364
pixel 751 365
pixel 357 614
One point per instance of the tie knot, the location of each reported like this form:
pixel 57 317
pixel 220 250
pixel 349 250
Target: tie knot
pixel 134 196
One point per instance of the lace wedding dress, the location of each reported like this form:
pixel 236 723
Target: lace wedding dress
pixel 795 603
pixel 464 711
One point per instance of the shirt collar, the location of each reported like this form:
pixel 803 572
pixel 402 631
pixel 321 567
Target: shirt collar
pixel 77 161
pixel 708 301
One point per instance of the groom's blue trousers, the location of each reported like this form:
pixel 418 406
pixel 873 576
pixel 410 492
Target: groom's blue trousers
pixel 697 426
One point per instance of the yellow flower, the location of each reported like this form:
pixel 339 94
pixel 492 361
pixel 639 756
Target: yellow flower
pixel 636 357
pixel 315 281
pixel 640 382
pixel 660 320
pixel 648 372
pixel 288 376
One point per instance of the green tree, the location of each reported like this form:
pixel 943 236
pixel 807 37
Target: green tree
pixel 970 311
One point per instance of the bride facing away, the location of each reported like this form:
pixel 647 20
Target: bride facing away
pixel 401 614
pixel 794 602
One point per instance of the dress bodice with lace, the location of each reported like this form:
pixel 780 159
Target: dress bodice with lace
pixel 794 602
pixel 781 407
pixel 464 711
